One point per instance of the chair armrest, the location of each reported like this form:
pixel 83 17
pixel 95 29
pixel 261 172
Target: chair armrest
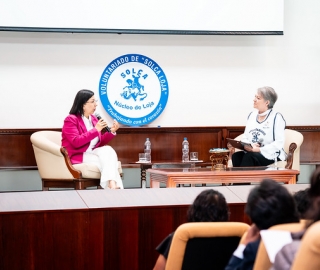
pixel 292 148
pixel 45 144
pixel 75 173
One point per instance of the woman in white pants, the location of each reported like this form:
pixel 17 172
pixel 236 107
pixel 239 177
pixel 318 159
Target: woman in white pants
pixel 84 138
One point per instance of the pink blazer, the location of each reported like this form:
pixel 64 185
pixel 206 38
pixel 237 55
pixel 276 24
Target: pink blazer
pixel 76 139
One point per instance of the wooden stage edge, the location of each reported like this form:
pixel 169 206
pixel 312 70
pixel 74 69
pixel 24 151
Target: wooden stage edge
pixel 98 229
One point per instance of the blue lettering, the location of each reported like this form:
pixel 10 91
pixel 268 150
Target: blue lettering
pixel 148 105
pixel 124 106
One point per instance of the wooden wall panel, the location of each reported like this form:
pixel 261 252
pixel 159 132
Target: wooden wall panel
pixel 166 221
pixel 116 238
pixel 47 240
pixel 310 148
pixel 121 238
pixel 16 149
pixel 166 142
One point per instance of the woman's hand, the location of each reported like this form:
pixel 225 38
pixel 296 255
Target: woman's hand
pixel 115 126
pixel 253 234
pixel 101 125
pixel 255 147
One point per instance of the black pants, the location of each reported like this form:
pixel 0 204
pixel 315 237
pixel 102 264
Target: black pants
pixel 249 159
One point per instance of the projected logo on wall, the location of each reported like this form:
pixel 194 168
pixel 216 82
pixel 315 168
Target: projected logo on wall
pixel 133 89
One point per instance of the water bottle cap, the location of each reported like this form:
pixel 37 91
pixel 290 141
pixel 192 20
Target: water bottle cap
pixel 147 139
pixel 185 138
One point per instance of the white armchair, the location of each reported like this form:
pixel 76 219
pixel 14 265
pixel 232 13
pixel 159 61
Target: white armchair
pixel 55 167
pixel 292 144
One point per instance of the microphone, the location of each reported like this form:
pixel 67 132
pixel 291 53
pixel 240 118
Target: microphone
pixel 105 129
pixel 260 141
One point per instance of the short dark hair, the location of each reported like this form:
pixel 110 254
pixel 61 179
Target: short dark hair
pixel 314 190
pixel 210 205
pixel 314 194
pixel 81 98
pixel 302 201
pixel 270 204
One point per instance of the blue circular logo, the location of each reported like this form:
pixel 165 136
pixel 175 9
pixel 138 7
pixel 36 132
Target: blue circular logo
pixel 133 89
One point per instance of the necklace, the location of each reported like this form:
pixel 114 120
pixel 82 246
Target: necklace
pixel 264 113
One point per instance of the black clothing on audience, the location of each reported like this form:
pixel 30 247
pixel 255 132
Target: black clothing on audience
pixel 249 256
pixel 164 246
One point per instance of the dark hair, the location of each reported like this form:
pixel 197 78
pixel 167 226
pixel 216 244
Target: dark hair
pixel 314 193
pixel 270 204
pixel 210 205
pixel 314 190
pixel 81 98
pixel 302 201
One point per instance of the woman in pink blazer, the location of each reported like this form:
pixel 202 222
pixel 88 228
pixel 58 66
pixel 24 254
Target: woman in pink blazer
pixel 84 140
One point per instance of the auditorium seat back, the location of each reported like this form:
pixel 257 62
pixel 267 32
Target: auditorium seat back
pixel 204 245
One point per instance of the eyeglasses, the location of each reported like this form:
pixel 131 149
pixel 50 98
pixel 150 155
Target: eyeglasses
pixel 92 101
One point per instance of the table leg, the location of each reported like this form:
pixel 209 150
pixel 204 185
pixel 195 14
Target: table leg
pixel 292 180
pixel 143 168
pixel 154 184
pixel 171 183
pixel 143 177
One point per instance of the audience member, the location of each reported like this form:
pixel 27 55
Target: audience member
pixel 209 206
pixel 268 204
pixel 285 256
pixel 302 201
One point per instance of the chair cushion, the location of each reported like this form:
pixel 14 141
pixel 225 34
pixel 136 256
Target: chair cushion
pixel 92 171
pixel 280 164
pixel 88 170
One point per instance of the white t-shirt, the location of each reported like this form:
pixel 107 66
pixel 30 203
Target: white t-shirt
pixel 269 134
pixel 89 126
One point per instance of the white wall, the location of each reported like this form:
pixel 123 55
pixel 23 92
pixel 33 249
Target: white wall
pixel 216 76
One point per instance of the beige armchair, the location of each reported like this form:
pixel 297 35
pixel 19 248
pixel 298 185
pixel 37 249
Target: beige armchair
pixel 292 144
pixel 308 255
pixel 204 245
pixel 55 167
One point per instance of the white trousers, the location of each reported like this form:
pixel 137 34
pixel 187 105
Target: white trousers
pixel 106 159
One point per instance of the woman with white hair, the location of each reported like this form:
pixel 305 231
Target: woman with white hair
pixel 264 133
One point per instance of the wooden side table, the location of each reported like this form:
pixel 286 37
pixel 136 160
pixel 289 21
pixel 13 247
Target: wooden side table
pixel 162 165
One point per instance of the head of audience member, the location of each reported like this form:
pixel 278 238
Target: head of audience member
pixel 80 100
pixel 268 94
pixel 314 193
pixel 314 190
pixel 270 204
pixel 210 205
pixel 303 202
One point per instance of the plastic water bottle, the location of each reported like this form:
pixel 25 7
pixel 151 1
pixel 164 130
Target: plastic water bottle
pixel 147 150
pixel 185 150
